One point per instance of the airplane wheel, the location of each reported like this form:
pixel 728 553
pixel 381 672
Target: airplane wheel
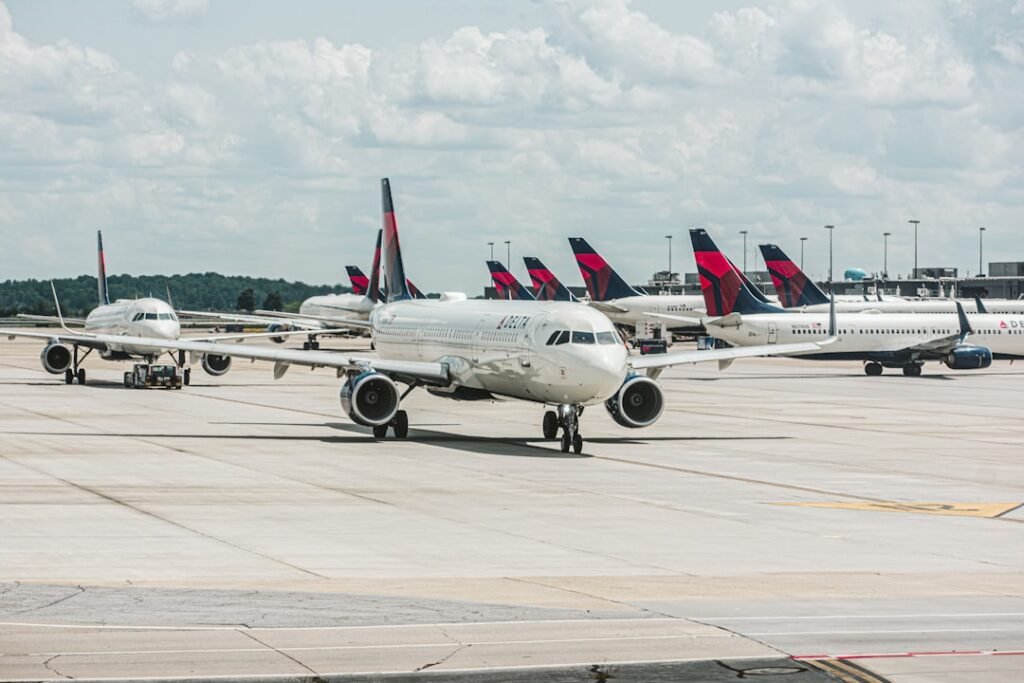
pixel 314 345
pixel 873 369
pixel 81 375
pixel 550 425
pixel 916 371
pixel 566 442
pixel 305 346
pixel 912 370
pixel 577 444
pixel 186 376
pixel 127 379
pixel 69 376
pixel 380 431
pixel 401 428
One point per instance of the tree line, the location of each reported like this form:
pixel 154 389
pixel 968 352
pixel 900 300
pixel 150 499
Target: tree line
pixel 194 291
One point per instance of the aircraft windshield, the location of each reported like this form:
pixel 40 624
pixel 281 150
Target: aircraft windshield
pixel 580 337
pixel 606 338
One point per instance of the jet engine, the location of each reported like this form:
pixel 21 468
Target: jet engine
pixel 637 403
pixel 216 365
pixel 56 358
pixel 370 399
pixel 968 358
pixel 278 327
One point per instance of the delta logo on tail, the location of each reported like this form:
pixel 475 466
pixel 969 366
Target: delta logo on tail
pixel 394 269
pixel 546 286
pixel 720 282
pixel 506 284
pixel 792 285
pixel 360 283
pixel 603 283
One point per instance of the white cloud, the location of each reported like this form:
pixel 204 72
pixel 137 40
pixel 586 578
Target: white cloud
pixel 167 11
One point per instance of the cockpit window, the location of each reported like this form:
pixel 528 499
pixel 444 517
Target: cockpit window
pixel 138 316
pixel 579 337
pixel 165 316
pixel 151 316
pixel 552 338
pixel 606 338
pixel 563 337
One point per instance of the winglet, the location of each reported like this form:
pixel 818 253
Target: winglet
pixel 56 302
pixel 965 324
pixel 979 305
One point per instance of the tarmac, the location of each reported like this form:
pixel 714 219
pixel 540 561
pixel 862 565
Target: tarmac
pixel 784 520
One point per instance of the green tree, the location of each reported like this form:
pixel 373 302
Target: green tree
pixel 246 300
pixel 272 302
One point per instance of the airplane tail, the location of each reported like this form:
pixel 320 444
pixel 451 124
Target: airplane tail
pixel 101 275
pixel 394 269
pixel 373 288
pixel 793 286
pixel 751 287
pixel 720 282
pixel 506 284
pixel 360 283
pixel 546 286
pixel 603 283
pixel 414 291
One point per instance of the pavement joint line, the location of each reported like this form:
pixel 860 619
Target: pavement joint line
pixel 129 506
pixel 381 646
pixel 536 582
pixel 274 649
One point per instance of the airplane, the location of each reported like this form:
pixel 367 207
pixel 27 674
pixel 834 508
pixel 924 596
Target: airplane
pixel 623 304
pixel 560 354
pixel 109 326
pixel 546 286
pixel 506 285
pixel 879 340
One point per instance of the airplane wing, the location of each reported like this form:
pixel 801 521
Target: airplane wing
pixel 725 357
pixel 252 319
pixel 606 307
pixel 302 317
pixel 433 373
pixel 51 319
pixel 242 336
pixel 943 345
pixel 90 341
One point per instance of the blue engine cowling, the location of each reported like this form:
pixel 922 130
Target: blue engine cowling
pixel 969 358
pixel 637 403
pixel 370 399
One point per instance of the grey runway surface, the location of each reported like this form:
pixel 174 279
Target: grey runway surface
pixel 244 526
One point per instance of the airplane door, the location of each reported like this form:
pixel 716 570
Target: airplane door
pixel 773 333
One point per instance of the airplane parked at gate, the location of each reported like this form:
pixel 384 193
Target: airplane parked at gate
pixel 506 285
pixel 546 286
pixel 110 325
pixel 879 340
pixel 559 354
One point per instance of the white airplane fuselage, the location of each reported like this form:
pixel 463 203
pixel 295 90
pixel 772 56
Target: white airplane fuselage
pixel 151 318
pixel 940 306
pixel 638 308
pixel 340 306
pixel 503 347
pixel 862 334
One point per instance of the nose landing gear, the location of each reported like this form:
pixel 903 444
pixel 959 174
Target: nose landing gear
pixel 568 419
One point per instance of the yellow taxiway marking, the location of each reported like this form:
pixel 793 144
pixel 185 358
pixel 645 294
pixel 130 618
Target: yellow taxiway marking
pixel 989 510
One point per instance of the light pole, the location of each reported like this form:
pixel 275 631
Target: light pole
pixel 981 247
pixel 802 240
pixel 885 255
pixel 830 228
pixel 508 253
pixel 744 233
pixel 491 245
pixel 915 222
pixel 669 238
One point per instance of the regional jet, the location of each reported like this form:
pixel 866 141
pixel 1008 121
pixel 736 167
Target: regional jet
pixel 559 354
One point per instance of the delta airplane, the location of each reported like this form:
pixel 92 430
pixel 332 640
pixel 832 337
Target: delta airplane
pixel 108 328
pixel 546 286
pixel 878 340
pixel 560 354
pixel 796 290
pixel 506 285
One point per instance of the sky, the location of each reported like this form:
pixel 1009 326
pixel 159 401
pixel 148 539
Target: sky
pixel 250 136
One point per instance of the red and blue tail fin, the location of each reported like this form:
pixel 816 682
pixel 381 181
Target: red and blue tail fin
pixel 792 285
pixel 546 286
pixel 373 288
pixel 394 269
pixel 751 287
pixel 360 283
pixel 506 284
pixel 720 282
pixel 414 291
pixel 603 283
pixel 101 275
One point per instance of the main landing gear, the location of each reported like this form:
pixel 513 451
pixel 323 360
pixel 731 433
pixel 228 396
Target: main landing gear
pixel 873 369
pixel 912 369
pixel 311 344
pixel 399 426
pixel 76 372
pixel 568 419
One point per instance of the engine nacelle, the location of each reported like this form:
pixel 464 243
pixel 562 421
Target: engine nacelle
pixel 216 365
pixel 968 358
pixel 278 327
pixel 56 358
pixel 637 403
pixel 370 399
